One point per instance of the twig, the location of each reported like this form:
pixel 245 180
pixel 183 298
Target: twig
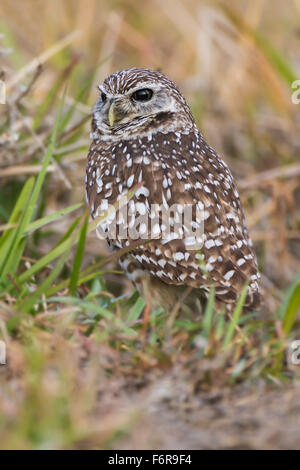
pixel 30 85
pixel 264 177
pixel 74 127
pixel 24 170
pixel 13 282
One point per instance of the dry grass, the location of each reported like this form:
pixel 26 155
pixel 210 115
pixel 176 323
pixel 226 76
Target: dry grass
pixel 85 368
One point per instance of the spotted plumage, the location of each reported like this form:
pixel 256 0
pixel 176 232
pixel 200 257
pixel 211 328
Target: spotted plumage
pixel 146 147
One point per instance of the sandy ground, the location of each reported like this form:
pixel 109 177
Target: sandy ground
pixel 173 411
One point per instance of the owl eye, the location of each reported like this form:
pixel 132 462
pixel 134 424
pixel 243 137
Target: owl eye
pixel 145 94
pixel 103 97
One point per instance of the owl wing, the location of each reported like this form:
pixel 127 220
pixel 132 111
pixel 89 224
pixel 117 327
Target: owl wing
pixel 182 170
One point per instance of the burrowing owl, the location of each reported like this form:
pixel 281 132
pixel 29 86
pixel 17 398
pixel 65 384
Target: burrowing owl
pixel 146 144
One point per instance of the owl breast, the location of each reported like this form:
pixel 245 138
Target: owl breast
pixel 148 184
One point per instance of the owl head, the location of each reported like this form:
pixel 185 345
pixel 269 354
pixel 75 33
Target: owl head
pixel 140 100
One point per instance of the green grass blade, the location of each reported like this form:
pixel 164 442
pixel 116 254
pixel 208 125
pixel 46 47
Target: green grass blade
pixel 37 224
pixel 8 236
pixel 8 41
pixel 18 255
pixel 63 245
pixel 28 303
pixel 208 314
pixel 235 318
pixel 46 260
pixel 62 285
pixel 46 161
pixel 276 59
pixel 136 310
pixel 78 257
pixel 95 310
pixel 69 232
pixel 30 208
pixel 290 306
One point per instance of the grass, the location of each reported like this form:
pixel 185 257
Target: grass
pixel 73 331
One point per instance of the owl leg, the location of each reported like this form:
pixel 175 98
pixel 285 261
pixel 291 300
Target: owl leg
pixel 171 297
pixel 157 293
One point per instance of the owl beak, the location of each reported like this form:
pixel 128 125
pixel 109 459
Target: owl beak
pixel 111 114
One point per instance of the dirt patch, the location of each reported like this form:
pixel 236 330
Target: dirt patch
pixel 171 412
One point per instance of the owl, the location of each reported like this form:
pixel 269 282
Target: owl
pixel 148 166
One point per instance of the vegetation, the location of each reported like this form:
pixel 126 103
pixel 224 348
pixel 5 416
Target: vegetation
pixel 88 365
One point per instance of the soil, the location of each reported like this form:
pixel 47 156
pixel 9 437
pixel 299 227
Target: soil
pixel 174 411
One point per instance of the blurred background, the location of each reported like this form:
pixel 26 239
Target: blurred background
pixel 235 62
